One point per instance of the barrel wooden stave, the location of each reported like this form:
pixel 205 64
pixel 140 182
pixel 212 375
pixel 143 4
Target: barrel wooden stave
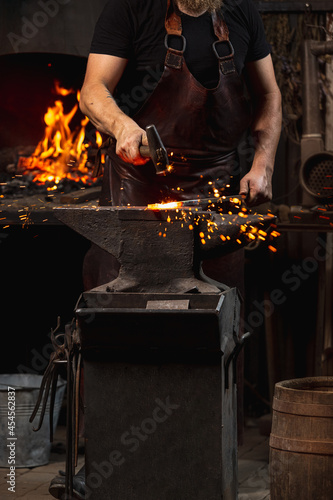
pixel 301 440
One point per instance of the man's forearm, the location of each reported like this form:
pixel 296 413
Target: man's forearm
pixel 256 185
pixel 266 128
pixel 98 104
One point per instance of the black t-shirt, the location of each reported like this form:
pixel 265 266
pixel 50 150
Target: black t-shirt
pixel 134 30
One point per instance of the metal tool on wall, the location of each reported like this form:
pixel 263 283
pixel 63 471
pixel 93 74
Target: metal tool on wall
pixel 316 172
pixel 316 178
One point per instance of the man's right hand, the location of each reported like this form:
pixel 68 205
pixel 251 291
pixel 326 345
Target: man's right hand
pixel 97 103
pixel 129 139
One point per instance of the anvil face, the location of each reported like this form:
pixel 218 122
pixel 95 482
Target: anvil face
pixel 157 249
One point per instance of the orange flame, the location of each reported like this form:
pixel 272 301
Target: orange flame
pixel 62 152
pixel 99 140
pixel 62 91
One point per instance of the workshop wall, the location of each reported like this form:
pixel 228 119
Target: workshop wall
pixel 53 26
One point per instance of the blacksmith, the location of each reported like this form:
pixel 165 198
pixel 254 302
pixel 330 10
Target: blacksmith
pixel 201 72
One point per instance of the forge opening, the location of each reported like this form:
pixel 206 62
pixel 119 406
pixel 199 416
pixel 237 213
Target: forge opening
pixel 46 143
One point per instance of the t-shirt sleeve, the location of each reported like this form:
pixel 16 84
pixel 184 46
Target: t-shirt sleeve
pixel 113 30
pixel 258 47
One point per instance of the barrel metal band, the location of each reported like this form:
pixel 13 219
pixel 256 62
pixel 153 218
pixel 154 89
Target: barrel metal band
pixel 303 409
pixel 301 445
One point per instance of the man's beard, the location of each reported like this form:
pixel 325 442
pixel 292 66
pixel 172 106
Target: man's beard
pixel 198 6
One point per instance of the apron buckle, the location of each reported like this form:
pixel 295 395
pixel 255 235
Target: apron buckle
pixel 224 52
pixel 179 45
pixel 174 57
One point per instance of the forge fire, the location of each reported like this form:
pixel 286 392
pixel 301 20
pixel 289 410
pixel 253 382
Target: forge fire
pixel 62 160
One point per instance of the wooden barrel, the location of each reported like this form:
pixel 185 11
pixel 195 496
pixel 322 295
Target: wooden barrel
pixel 301 440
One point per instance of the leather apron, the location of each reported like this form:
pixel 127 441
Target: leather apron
pixel 201 127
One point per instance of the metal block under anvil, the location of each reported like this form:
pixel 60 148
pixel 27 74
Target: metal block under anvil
pixel 160 250
pixel 160 395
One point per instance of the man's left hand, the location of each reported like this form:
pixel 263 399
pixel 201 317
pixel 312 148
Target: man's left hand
pixel 256 185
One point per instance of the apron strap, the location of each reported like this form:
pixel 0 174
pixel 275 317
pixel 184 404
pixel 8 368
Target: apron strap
pixel 173 26
pixel 223 44
pixel 173 23
pixel 220 28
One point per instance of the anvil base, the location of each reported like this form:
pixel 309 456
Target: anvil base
pixel 160 412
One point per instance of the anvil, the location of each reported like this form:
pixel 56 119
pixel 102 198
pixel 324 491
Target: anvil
pixel 160 250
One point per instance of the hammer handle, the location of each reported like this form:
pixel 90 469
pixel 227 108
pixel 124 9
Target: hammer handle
pixel 144 151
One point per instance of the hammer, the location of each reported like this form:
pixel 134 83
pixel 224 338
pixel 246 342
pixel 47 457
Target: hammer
pixel 156 151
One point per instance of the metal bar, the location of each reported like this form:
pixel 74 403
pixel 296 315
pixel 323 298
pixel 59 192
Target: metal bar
pixel 311 115
pixel 320 314
pixel 328 335
pixel 69 432
pixel 314 6
pixel 36 217
pixel 329 97
pixel 322 48
pixel 304 227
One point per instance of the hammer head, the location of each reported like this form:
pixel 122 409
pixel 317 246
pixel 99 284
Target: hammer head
pixel 156 151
